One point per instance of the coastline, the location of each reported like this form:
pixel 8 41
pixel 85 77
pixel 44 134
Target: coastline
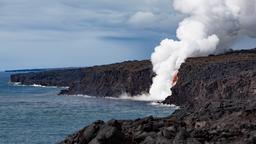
pixel 131 77
pixel 217 105
pixel 216 95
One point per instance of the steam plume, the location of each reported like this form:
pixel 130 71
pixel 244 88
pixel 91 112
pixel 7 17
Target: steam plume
pixel 211 26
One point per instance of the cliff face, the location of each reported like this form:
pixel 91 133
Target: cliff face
pixel 113 80
pixel 217 95
pixel 60 78
pixel 133 78
pixel 227 76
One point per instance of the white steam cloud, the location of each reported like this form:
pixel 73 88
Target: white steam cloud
pixel 211 26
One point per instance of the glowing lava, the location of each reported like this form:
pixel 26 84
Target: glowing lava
pixel 175 79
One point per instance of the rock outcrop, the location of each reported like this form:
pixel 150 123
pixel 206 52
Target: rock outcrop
pixel 131 77
pixel 217 96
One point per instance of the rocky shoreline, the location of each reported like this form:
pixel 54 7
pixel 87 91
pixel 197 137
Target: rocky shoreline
pixel 213 122
pixel 217 95
pixel 131 78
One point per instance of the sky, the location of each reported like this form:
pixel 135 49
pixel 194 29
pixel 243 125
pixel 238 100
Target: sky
pixel 74 33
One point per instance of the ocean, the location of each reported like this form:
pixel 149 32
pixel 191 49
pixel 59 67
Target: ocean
pixel 37 115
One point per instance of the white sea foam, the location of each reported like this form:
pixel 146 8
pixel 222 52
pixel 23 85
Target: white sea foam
pixel 125 96
pixel 15 83
pixel 81 95
pixel 142 97
pixel 35 85
pixel 164 105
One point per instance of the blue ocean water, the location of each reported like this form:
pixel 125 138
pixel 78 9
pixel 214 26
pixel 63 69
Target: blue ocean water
pixel 35 115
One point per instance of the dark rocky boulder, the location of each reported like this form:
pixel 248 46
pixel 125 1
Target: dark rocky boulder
pixel 131 77
pixel 217 96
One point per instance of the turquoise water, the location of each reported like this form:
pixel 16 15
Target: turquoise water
pixel 34 115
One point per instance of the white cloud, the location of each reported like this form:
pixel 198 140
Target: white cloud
pixel 28 26
pixel 142 19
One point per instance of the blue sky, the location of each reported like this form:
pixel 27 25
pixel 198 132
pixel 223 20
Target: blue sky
pixel 70 33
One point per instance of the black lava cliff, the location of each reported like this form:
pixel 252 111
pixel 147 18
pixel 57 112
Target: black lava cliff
pixel 217 95
pixel 131 77
pixel 227 76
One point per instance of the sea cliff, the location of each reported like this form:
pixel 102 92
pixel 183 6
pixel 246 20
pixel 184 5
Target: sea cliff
pixel 131 78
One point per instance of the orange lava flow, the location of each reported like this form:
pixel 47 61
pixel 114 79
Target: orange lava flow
pixel 175 78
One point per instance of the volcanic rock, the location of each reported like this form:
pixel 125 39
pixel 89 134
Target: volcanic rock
pixel 131 78
pixel 217 98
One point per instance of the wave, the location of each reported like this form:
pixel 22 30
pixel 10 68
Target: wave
pixel 124 96
pixel 132 98
pixel 146 97
pixel 81 95
pixel 87 96
pixel 164 105
pixel 35 85
pixel 15 83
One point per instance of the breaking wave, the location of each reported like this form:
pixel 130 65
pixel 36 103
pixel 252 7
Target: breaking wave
pixel 35 85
